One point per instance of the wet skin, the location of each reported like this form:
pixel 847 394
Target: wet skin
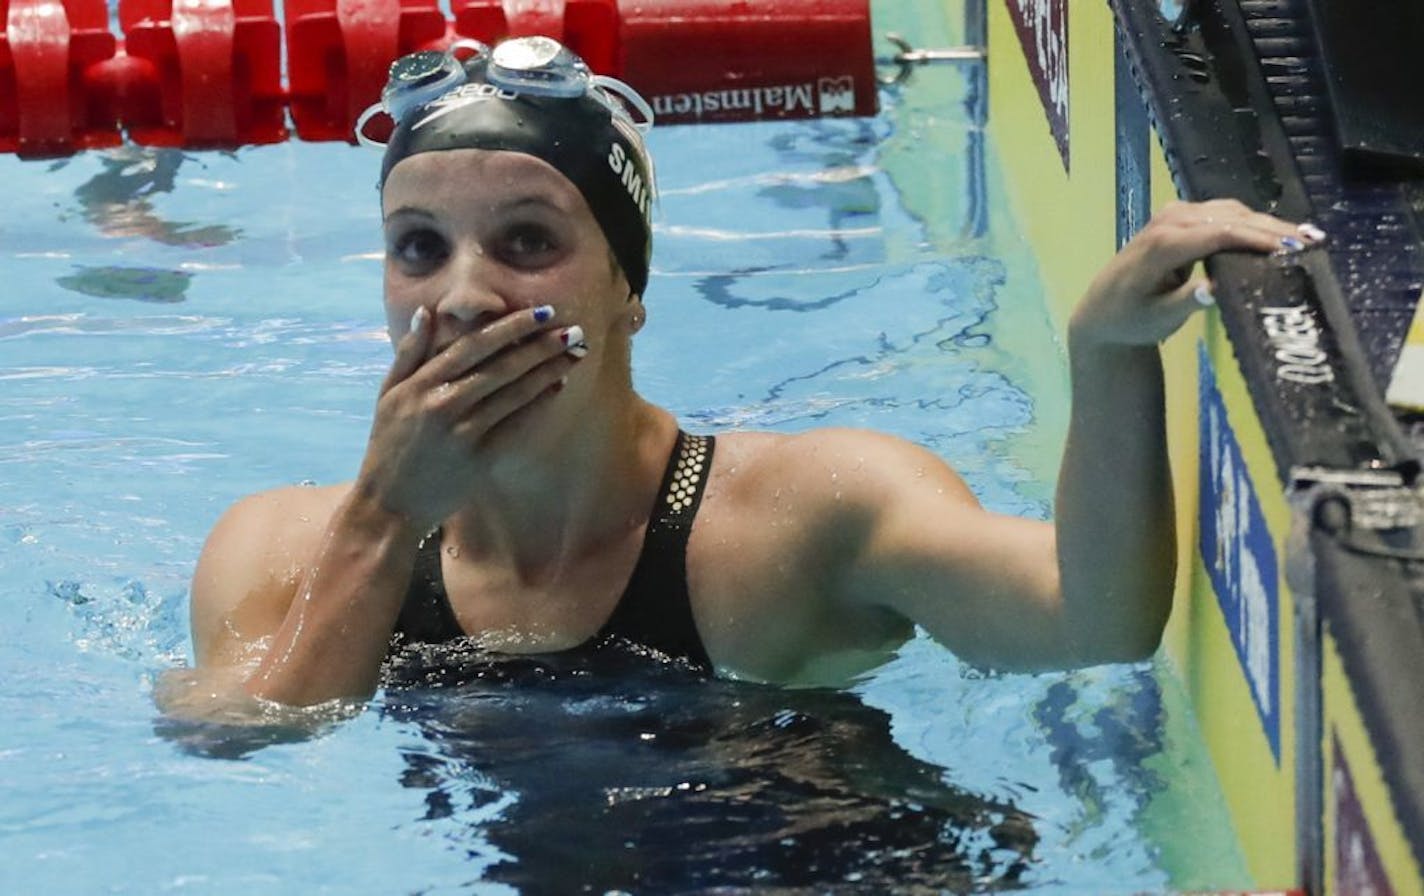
pixel 813 555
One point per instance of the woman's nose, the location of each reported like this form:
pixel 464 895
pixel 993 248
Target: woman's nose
pixel 473 296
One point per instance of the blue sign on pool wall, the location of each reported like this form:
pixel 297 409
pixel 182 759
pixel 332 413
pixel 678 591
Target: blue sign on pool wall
pixel 1240 557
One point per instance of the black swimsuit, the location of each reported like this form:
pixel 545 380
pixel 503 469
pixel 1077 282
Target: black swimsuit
pixel 655 610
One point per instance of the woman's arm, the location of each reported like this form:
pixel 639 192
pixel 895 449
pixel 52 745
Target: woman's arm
pixel 264 553
pixel 1096 585
pixel 293 602
pixel 295 612
pixel 1116 533
pixel 337 627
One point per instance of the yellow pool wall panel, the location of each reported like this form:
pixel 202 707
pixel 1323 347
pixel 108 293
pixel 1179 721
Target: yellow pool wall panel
pixel 1068 214
pixel 1069 220
pixel 1375 846
pixel 1260 791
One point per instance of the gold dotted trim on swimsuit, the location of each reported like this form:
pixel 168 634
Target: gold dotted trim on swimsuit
pixel 691 461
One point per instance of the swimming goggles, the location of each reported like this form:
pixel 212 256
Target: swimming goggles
pixel 530 66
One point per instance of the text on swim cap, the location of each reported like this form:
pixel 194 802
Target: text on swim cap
pixel 462 96
pixel 623 166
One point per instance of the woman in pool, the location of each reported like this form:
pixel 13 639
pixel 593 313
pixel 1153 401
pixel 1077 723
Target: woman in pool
pixel 517 491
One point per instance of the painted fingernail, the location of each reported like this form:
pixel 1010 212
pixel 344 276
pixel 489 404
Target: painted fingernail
pixel 418 319
pixel 1203 296
pixel 543 314
pixel 1292 244
pixel 573 341
pixel 1311 232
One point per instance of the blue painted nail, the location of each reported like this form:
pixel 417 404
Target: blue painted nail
pixel 1292 244
pixel 543 314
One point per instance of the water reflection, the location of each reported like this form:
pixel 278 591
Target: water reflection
pixel 118 201
pixel 144 284
pixel 618 773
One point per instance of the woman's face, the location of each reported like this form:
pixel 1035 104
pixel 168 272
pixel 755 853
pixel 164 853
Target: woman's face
pixel 473 235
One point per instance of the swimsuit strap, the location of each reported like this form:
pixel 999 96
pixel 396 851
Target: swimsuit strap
pixel 426 617
pixel 655 609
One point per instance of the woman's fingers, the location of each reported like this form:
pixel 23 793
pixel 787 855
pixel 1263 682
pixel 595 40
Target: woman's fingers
pixel 1145 293
pixel 475 348
pixel 507 363
pixel 1187 233
pixel 484 415
pixel 1173 309
pixel 540 361
pixel 427 430
pixel 410 350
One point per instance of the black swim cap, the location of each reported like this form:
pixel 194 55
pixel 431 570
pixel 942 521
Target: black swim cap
pixel 601 151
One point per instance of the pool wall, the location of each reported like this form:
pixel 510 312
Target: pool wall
pixel 1072 138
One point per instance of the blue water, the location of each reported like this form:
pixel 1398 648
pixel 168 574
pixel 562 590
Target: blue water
pixel 180 330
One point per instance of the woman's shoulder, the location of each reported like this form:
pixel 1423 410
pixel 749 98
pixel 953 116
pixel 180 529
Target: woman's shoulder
pixel 252 562
pixel 279 524
pixel 839 463
pixel 290 506
pixel 784 519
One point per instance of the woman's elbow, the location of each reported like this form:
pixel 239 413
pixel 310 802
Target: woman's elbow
pixel 1130 640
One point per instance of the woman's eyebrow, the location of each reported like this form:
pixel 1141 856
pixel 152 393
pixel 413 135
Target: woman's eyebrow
pixel 408 211
pixel 512 205
pixel 537 200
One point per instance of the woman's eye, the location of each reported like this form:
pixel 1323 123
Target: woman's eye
pixel 528 244
pixel 419 248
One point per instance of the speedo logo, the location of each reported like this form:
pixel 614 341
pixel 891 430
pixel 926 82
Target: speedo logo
pixel 1294 334
pixel 627 172
pixel 460 97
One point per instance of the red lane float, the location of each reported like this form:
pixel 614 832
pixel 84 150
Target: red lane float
pixel 208 73
pixel 47 103
pixel 709 61
pixel 338 52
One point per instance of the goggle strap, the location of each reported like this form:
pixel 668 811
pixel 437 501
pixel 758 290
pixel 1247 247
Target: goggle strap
pixel 630 98
pixel 371 112
pixel 468 43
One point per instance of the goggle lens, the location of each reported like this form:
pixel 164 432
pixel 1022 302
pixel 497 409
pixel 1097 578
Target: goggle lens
pixel 539 66
pixel 418 78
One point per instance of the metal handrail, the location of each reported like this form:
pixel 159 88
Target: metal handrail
pixel 909 57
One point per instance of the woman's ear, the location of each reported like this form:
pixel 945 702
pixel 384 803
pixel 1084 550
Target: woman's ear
pixel 637 314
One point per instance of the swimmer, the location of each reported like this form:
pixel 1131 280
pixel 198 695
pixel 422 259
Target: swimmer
pixel 516 491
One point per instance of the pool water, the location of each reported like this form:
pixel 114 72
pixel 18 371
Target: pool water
pixel 178 330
